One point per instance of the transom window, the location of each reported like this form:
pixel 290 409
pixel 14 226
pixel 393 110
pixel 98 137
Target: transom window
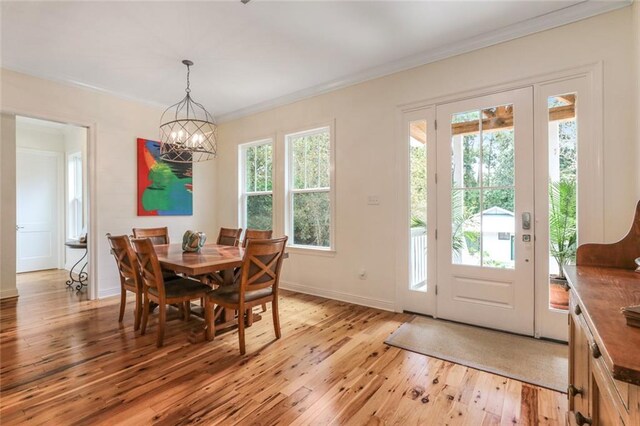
pixel 256 185
pixel 75 222
pixel 309 181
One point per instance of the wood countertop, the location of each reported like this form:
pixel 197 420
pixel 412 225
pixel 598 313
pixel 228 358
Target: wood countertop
pixel 601 293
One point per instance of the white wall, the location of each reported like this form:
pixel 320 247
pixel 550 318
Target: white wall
pixel 7 206
pixel 117 123
pixel 366 133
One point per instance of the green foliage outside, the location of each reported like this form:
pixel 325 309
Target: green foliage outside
pixel 562 222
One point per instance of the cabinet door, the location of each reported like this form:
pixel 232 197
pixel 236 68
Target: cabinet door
pixel 578 367
pixel 603 411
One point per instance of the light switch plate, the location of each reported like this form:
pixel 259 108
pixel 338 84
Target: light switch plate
pixel 373 200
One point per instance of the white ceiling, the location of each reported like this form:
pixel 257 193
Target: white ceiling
pixel 249 57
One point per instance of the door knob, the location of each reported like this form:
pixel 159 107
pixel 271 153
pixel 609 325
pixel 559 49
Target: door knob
pixel 582 420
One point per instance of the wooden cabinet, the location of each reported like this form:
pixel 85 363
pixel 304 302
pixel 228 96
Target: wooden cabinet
pixel 596 394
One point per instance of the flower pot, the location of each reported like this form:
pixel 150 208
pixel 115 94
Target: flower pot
pixel 558 295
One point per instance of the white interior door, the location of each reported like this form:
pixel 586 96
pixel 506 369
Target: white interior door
pixel 37 179
pixel 485 211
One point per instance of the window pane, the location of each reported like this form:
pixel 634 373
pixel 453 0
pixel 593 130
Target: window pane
pixel 497 158
pixel 563 219
pixel 311 219
pixel 310 156
pixel 259 212
pixel 249 167
pixel 465 227
pixel 465 160
pixel 418 193
pixel 498 228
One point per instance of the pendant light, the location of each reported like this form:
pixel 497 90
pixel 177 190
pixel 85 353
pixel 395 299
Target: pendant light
pixel 187 130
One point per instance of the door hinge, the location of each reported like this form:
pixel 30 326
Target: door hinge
pixel 436 234
pixel 436 290
pixel 436 178
pixel 435 124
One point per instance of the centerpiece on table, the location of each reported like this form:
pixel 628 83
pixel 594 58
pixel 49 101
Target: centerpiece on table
pixel 193 241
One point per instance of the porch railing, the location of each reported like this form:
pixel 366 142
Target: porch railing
pixel 418 254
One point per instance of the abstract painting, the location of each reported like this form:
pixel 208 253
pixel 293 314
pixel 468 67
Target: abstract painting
pixel 164 188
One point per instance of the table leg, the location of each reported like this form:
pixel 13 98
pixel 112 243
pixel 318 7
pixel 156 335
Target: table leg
pixel 82 276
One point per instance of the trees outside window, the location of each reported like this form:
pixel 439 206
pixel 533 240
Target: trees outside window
pixel 309 188
pixel 256 185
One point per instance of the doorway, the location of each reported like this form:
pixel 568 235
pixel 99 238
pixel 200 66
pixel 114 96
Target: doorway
pixel 51 194
pixel 483 175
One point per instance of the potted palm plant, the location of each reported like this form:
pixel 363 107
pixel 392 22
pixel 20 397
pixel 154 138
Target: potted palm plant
pixel 562 236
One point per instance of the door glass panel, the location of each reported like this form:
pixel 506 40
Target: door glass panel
pixel 483 194
pixel 418 187
pixel 563 229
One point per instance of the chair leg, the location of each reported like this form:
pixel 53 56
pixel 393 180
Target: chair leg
pixel 264 307
pixel 162 319
pixel 241 332
pixel 145 315
pixel 138 312
pixel 249 313
pixel 276 317
pixel 209 319
pixel 123 302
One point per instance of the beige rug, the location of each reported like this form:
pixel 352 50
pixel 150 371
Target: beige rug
pixel 529 360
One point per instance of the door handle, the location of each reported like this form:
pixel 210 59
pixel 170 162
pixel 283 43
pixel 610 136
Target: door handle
pixel 526 220
pixel 19 227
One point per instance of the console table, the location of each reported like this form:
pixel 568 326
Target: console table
pixel 80 278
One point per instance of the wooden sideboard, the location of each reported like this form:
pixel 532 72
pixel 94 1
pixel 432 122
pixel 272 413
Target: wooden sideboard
pixel 604 352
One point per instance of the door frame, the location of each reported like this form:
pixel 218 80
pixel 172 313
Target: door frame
pixel 92 193
pixel 60 189
pixel 593 200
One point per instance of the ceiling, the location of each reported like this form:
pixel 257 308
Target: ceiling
pixel 250 57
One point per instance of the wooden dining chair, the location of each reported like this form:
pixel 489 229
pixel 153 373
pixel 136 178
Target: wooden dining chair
pixel 258 284
pixel 129 272
pixel 256 234
pixel 156 235
pixel 229 236
pixel 155 289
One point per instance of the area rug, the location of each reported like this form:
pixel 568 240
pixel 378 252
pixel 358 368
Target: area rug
pixel 529 360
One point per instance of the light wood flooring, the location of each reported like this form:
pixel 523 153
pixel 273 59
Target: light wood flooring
pixel 66 360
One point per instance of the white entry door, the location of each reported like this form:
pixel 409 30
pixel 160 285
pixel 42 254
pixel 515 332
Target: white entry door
pixel 38 178
pixel 485 211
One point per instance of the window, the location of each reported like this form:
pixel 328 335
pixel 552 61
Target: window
pixel 309 180
pixel 75 223
pixel 256 185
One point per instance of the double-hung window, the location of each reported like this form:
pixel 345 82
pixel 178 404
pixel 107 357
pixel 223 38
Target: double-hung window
pixel 75 222
pixel 256 185
pixel 309 216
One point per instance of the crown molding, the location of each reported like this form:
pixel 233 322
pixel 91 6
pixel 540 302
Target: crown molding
pixel 577 12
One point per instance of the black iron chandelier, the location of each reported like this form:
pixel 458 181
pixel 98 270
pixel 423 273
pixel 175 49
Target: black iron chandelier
pixel 188 133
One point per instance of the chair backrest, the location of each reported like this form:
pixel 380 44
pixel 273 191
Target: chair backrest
pixel 125 259
pixel 256 234
pixel 261 265
pixel 150 269
pixel 229 236
pixel 156 235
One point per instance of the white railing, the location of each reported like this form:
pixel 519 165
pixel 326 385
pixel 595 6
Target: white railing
pixel 418 254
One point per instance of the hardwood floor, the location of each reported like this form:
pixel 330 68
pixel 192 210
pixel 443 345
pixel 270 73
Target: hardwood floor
pixel 66 360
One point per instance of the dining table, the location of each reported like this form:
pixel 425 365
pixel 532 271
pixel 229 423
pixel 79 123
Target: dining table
pixel 214 265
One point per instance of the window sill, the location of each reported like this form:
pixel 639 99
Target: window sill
pixel 311 251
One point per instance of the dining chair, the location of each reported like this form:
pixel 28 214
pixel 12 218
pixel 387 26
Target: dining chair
pixel 256 234
pixel 156 235
pixel 155 289
pixel 229 236
pixel 257 284
pixel 129 273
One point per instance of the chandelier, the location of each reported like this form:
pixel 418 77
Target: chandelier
pixel 188 133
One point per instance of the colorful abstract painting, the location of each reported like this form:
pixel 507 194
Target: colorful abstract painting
pixel 164 188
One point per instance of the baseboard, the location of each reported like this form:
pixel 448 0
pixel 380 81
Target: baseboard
pixel 7 294
pixel 339 295
pixel 108 292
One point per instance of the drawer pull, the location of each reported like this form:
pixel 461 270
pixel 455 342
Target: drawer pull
pixel 582 420
pixel 573 391
pixel 595 350
pixel 577 310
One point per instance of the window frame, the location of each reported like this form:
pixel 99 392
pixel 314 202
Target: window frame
pixel 75 201
pixel 290 190
pixel 243 194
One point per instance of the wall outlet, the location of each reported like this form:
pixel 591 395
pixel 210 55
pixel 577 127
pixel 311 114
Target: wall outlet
pixel 373 200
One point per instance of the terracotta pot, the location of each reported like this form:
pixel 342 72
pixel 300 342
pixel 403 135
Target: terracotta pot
pixel 558 295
